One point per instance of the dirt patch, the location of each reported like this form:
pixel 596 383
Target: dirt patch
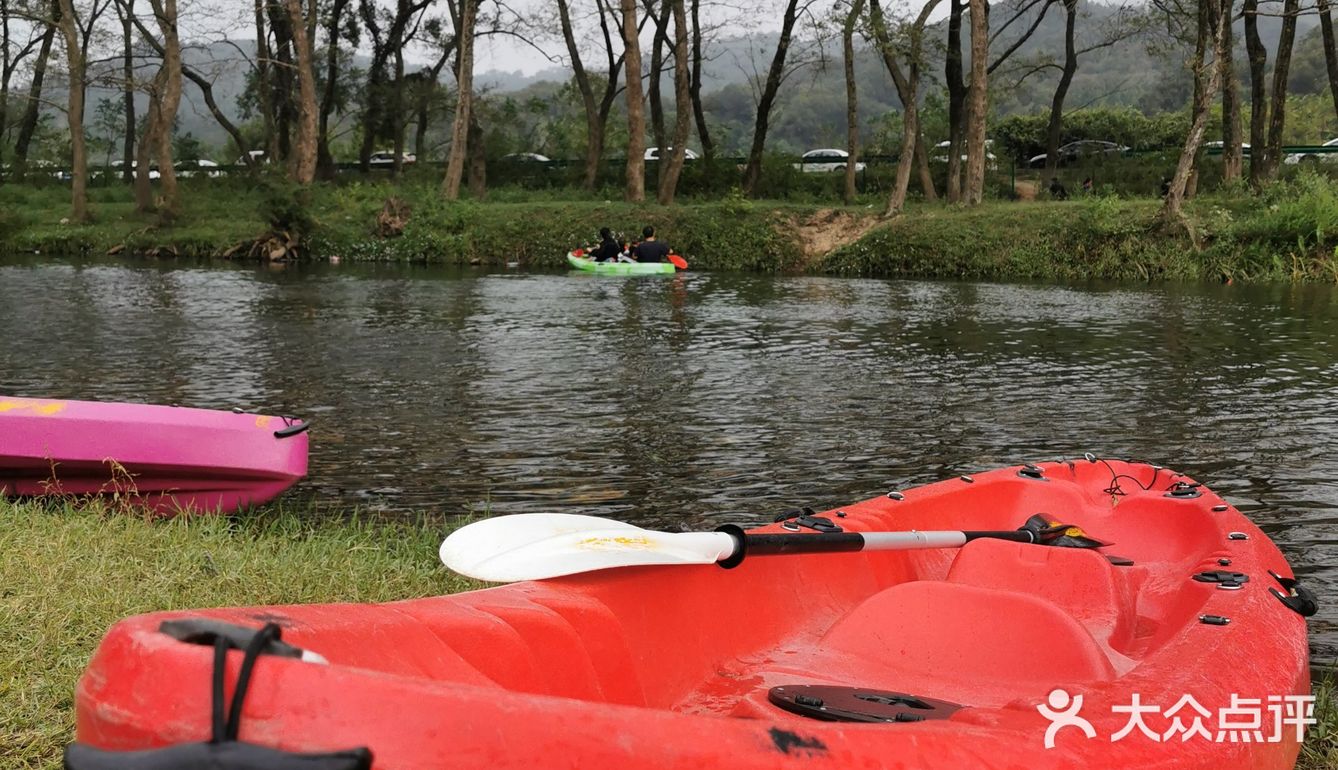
pixel 1026 191
pixel 826 230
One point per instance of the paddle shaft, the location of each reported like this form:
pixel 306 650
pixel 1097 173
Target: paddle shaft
pixel 746 544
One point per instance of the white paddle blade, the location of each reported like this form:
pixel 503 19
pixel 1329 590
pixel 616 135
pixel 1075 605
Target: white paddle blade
pixel 535 546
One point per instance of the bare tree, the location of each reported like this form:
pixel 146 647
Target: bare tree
pixel 302 161
pixel 1172 207
pixel 1257 55
pixel 125 12
pixel 596 110
pixel 155 146
pixel 1330 52
pixel 752 173
pixel 852 97
pixel 977 100
pixel 636 120
pixel 698 113
pixel 28 123
pixel 1233 155
pixel 908 85
pixel 1281 68
pixel 464 79
pixel 325 168
pixel 1120 27
pixel 75 33
pixel 14 49
pixel 682 106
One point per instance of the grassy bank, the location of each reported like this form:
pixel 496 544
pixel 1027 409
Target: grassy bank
pixel 68 573
pixel 1290 233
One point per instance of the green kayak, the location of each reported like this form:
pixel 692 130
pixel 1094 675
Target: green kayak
pixel 619 268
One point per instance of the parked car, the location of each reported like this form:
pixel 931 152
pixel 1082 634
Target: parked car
pixel 1314 157
pixel 941 153
pixel 526 157
pixel 256 156
pixel 1083 149
pixel 826 160
pixel 1219 145
pixel 199 167
pixel 653 153
pixel 387 158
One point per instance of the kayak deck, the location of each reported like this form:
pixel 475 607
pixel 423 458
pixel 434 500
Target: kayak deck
pixel 679 662
pixel 620 268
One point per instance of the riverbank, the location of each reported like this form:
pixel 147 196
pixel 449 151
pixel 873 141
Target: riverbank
pixel 1289 233
pixel 70 572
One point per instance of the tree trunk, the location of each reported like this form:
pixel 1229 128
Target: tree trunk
pixel 302 162
pixel 956 101
pixel 852 98
pixel 28 124
pixel 285 110
pixel 464 78
pixel 169 99
pixel 636 120
pixel 1233 155
pixel 74 58
pixel 699 114
pixel 128 73
pixel 1054 130
pixel 264 90
pixel 682 105
pixel 325 167
pixel 478 159
pixel 978 100
pixel 1258 58
pixel 922 165
pixel 752 174
pixel 907 85
pixel 661 39
pixel 1281 67
pixel 1175 196
pixel 1330 54
pixel 594 129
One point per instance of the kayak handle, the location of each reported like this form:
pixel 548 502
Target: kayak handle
pixel 293 429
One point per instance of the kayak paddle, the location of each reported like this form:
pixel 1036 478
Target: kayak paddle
pixel 679 262
pixel 535 546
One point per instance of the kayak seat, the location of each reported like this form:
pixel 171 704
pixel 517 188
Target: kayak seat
pixel 969 633
pixel 1082 583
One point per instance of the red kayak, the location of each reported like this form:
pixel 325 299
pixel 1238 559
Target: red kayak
pixel 1172 637
pixel 163 458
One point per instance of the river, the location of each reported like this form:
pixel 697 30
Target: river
pixel 689 400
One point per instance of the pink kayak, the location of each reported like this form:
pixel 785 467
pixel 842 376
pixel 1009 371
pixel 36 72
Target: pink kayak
pixel 164 458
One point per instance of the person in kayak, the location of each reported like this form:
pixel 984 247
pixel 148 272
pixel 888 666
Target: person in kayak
pixel 650 250
pixel 608 249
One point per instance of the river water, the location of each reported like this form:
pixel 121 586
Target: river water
pixel 700 398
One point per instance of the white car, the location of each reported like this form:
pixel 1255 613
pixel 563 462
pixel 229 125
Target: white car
pixel 200 167
pixel 256 156
pixel 1314 157
pixel 653 153
pixel 825 161
pixel 527 157
pixel 387 158
pixel 941 152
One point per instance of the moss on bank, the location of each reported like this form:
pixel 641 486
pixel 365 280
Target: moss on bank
pixel 1287 234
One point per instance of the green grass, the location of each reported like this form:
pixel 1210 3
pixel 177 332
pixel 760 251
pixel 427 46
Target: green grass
pixel 1288 233
pixel 67 573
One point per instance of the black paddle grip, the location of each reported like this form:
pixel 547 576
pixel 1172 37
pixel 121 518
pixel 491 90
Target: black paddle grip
pixel 778 545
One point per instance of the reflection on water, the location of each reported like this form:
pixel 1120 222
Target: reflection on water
pixel 688 400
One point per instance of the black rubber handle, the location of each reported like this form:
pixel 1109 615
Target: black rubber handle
pixel 292 430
